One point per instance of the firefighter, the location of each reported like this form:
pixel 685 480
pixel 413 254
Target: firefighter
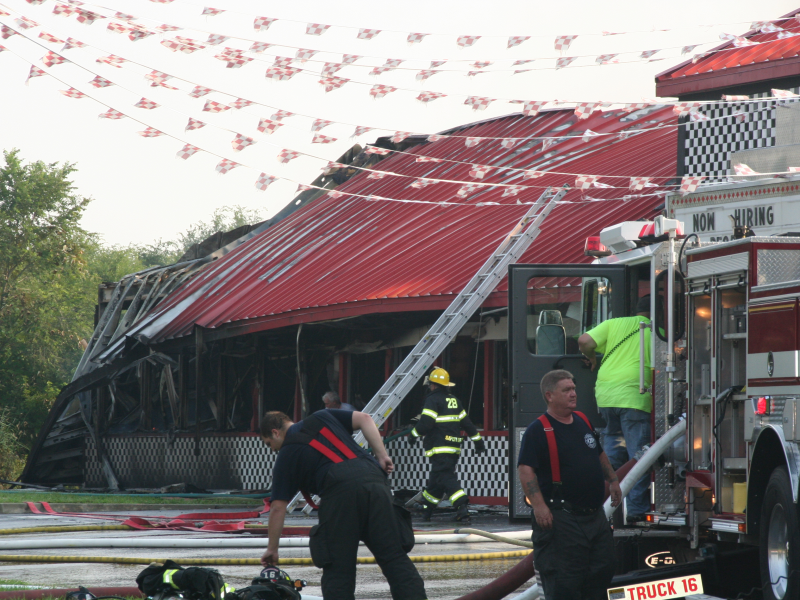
pixel 319 456
pixel 441 424
pixel 561 468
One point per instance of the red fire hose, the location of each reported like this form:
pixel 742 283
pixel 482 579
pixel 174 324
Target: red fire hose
pixel 60 593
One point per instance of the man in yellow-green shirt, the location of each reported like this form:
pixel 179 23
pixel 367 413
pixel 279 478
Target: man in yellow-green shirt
pixel 625 410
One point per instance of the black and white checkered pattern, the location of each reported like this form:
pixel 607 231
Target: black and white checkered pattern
pixel 244 462
pixel 483 475
pixel 709 144
pixel 225 462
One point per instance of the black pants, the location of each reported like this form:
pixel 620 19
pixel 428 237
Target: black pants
pixel 357 506
pixel 576 557
pixel 443 483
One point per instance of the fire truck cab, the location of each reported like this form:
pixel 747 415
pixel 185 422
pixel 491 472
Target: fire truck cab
pixel 724 357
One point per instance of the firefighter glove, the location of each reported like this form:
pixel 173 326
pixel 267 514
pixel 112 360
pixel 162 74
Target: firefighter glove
pixel 480 447
pixel 412 439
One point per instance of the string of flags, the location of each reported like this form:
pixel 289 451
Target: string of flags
pixel 689 184
pixel 236 57
pixel 261 23
pixel 530 108
pixel 240 141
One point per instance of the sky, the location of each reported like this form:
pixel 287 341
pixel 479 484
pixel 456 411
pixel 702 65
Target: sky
pixel 141 192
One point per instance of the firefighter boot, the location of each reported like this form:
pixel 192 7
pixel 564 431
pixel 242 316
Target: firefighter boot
pixel 462 514
pixel 414 502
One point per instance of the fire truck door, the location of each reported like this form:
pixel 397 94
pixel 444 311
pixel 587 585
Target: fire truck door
pixel 550 306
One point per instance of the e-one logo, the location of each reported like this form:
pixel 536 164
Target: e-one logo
pixel 659 559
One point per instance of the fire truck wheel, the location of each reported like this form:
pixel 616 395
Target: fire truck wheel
pixel 780 539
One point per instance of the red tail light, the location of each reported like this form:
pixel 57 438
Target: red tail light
pixel 594 248
pixel 762 406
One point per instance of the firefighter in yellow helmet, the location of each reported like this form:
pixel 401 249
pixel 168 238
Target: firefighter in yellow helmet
pixel 441 424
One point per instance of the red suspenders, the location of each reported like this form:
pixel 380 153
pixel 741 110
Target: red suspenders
pixel 555 466
pixel 339 444
pixel 324 450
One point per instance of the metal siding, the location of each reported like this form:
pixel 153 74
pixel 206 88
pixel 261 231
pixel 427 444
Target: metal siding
pixel 336 252
pixel 731 59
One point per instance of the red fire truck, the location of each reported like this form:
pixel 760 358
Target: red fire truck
pixel 725 351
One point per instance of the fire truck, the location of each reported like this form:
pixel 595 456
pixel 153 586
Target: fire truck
pixel 725 364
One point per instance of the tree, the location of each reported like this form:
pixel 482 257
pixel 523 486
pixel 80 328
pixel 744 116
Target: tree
pixel 225 218
pixel 46 296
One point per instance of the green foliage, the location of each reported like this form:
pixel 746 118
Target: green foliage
pixel 11 463
pixel 225 218
pixel 159 253
pixel 44 287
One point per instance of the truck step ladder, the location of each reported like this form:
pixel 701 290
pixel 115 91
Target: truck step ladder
pixel 413 367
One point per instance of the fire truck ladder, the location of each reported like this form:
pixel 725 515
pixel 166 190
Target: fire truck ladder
pixel 457 314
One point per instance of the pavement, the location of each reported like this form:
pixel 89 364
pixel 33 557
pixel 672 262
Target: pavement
pixel 443 580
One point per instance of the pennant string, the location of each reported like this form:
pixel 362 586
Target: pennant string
pixel 755 100
pixel 228 164
pixel 313 28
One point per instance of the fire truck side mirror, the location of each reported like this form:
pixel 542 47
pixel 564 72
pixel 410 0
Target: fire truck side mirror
pixel 679 306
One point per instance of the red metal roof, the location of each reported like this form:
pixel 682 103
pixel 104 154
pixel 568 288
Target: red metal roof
pixel 727 66
pixel 345 256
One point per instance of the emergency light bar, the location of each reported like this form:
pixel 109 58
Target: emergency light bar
pixel 658 231
pixel 623 236
pixel 594 248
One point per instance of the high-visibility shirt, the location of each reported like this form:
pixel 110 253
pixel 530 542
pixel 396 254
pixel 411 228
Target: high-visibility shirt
pixel 618 378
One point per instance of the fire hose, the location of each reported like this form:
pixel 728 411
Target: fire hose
pixel 362 560
pixel 647 460
pixel 456 536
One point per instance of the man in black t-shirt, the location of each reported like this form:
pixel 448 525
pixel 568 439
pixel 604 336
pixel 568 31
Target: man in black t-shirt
pixel 572 541
pixel 319 456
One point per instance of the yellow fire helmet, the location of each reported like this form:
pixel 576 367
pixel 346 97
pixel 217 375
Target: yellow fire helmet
pixel 441 377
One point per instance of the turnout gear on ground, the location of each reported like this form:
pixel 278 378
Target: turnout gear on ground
pixel 272 584
pixel 196 583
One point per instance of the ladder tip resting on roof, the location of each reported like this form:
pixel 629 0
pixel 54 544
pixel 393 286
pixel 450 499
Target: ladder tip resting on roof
pixel 447 326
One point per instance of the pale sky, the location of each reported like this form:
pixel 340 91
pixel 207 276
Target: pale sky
pixel 141 192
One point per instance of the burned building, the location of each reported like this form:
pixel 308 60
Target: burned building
pixel 332 293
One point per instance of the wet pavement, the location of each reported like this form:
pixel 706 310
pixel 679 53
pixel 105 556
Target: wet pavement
pixel 443 580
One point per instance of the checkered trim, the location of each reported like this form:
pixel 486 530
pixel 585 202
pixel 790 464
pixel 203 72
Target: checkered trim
pixel 225 462
pixel 709 143
pixel 479 474
pixel 244 462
